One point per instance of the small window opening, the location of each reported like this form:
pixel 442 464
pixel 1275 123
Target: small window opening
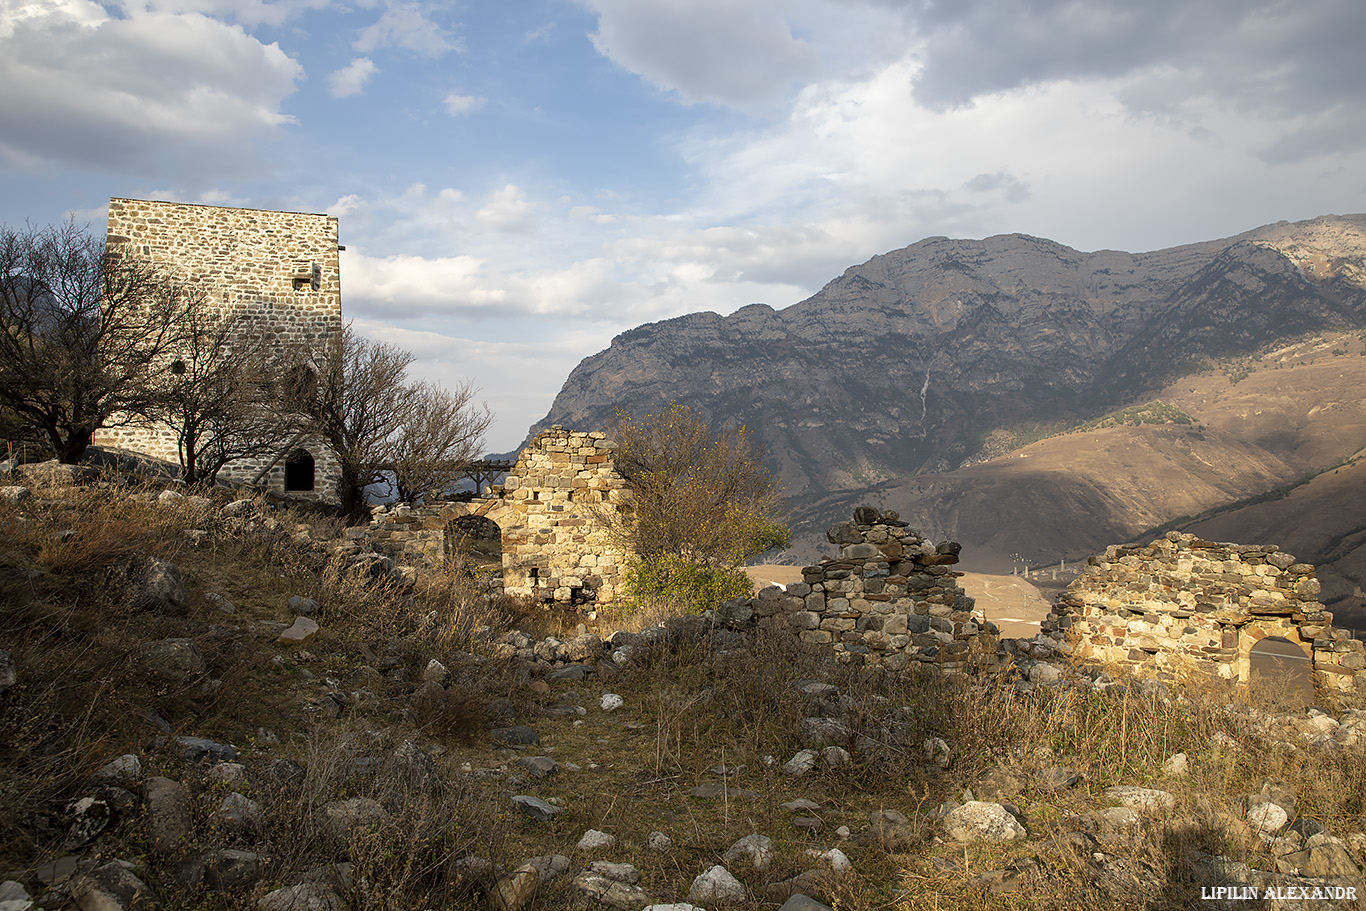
pixel 308 278
pixel 299 471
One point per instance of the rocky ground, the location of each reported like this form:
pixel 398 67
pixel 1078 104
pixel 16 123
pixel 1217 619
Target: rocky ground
pixel 209 704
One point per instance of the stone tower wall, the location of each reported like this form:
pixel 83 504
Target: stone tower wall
pixel 1185 601
pixel 281 269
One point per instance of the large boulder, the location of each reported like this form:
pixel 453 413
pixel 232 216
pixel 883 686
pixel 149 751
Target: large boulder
pixel 161 588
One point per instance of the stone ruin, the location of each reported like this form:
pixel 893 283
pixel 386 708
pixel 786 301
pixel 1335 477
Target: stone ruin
pixel 890 600
pixel 1184 602
pixel 549 513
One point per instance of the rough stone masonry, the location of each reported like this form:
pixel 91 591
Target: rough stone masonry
pixel 281 269
pixel 1182 601
pixel 549 511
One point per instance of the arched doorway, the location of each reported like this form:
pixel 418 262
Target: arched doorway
pixel 1278 668
pixel 300 471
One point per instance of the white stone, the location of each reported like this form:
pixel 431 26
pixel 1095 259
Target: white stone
pixel 610 702
pixel 835 859
pixel 1176 765
pixel 593 840
pixel 716 885
pixel 1267 818
pixel 1138 798
pixel 803 762
pixel 979 820
pixel 757 848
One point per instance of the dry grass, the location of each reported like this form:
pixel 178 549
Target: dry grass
pixel 694 716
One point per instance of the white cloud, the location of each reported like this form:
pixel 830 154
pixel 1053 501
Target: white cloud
pixel 407 26
pixel 499 368
pixel 457 104
pixel 506 209
pixel 145 93
pixel 735 53
pixel 345 205
pixel 247 12
pixel 350 79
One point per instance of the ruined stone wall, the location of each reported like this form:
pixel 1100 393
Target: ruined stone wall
pixel 281 269
pixel 550 508
pixel 1184 601
pixel 890 599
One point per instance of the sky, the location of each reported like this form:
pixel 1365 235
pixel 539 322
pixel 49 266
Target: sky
pixel 517 182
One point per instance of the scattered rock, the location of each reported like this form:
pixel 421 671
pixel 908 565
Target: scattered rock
pixel 660 842
pixel 304 629
pixel 1137 798
pixel 1176 765
pixel 609 892
pixel 758 849
pixel 168 813
pixel 801 902
pixel 240 815
pixel 937 753
pixel 112 887
pixel 162 589
pixel 536 808
pixel 593 840
pixel 716 886
pixel 610 702
pixel 979 820
pixel 803 762
pixel 220 603
pixel 515 891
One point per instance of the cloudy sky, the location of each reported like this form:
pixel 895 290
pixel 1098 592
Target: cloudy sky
pixel 519 181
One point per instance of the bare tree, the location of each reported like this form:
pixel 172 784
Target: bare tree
pixel 217 397
pixel 441 434
pixel 82 332
pixel 378 424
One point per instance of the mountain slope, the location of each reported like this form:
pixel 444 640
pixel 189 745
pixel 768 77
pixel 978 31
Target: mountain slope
pixel 907 363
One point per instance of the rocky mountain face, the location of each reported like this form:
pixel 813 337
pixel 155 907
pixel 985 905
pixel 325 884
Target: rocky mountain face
pixel 907 363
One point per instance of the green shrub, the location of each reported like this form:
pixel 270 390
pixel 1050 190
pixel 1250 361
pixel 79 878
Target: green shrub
pixel 693 587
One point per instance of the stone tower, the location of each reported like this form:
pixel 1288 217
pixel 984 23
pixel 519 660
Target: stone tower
pixel 281 269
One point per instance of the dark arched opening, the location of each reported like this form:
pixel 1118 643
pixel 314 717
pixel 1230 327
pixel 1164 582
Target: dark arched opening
pixel 300 471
